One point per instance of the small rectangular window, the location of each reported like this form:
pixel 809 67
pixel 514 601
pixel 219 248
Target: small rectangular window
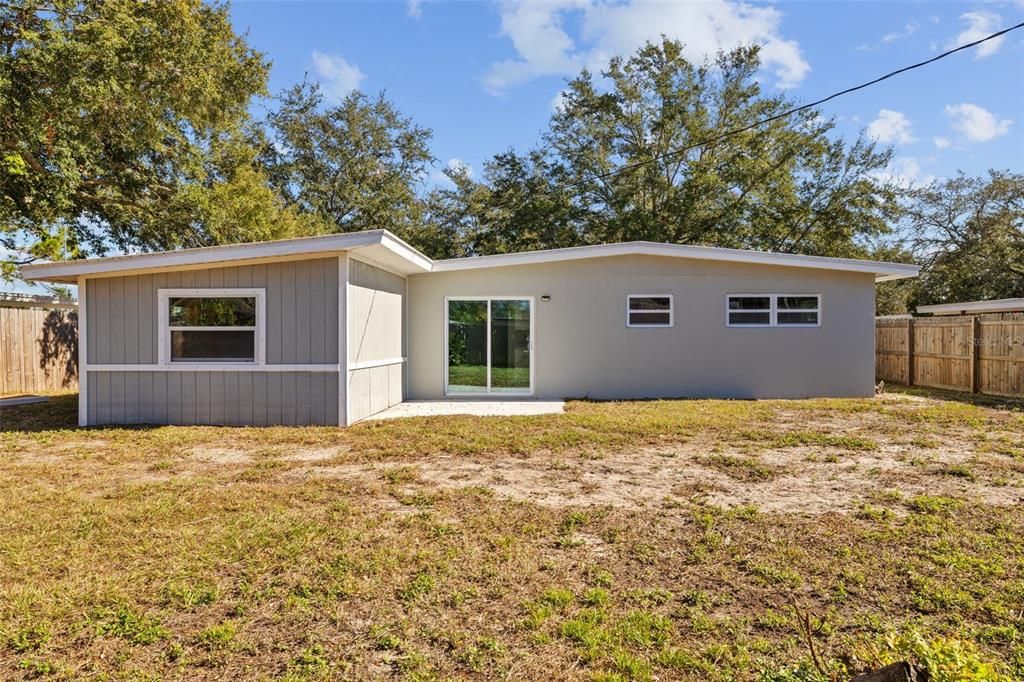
pixel 773 310
pixel 750 311
pixel 797 311
pixel 211 325
pixel 649 310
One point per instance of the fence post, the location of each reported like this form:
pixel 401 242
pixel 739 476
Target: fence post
pixel 910 352
pixel 976 342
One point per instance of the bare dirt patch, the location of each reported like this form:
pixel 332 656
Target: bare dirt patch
pixel 216 455
pixel 811 481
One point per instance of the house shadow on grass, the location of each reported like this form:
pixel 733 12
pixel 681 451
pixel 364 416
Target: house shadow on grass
pixel 979 399
pixel 58 413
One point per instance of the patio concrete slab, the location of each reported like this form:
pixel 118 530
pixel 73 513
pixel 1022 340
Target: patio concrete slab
pixel 480 408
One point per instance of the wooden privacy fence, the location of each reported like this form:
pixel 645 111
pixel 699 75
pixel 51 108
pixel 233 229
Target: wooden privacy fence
pixel 38 350
pixel 974 353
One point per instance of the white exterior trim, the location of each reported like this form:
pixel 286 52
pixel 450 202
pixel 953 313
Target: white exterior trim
pixel 343 366
pixel 1000 305
pixel 671 311
pixel 83 356
pixel 773 310
pixel 212 367
pixel 164 330
pixel 882 271
pixel 488 392
pixel 381 244
pixel 367 364
pixel 214 256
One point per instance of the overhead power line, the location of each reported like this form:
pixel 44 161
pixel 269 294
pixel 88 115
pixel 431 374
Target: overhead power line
pixel 790 112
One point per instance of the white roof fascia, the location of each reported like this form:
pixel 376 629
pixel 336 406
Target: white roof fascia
pixel 383 246
pixel 214 255
pixel 995 306
pixel 882 271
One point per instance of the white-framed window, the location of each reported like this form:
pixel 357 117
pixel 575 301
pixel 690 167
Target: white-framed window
pixel 649 310
pixel 211 326
pixel 773 310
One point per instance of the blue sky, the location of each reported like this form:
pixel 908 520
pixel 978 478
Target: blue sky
pixel 484 76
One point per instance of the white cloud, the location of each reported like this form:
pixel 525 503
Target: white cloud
pixel 891 126
pixel 905 171
pixel 455 165
pixel 908 30
pixel 558 101
pixel 414 8
pixel 942 142
pixel 337 77
pixel 545 48
pixel 979 25
pixel 975 123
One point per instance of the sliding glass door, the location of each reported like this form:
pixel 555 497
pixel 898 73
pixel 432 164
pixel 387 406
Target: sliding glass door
pixel 489 346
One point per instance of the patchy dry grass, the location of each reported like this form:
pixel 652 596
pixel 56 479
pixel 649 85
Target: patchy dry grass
pixel 640 540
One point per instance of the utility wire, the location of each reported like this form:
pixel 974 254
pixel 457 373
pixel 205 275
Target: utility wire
pixel 790 112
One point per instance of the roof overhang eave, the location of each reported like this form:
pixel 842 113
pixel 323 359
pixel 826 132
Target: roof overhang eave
pixel 378 245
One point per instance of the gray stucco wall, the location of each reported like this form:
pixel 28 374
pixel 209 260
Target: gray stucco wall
pixel 301 329
pixel 376 334
pixel 582 347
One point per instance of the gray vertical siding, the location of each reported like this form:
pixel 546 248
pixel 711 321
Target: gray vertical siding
pixel 374 389
pixel 301 329
pixel 376 333
pixel 375 301
pixel 225 398
pixel 302 310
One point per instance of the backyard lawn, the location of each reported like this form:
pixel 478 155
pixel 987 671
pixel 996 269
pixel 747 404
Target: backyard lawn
pixel 696 540
pixel 476 376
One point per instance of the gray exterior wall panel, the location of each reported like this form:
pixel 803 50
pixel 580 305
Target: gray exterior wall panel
pixel 225 398
pixel 376 300
pixel 302 310
pixel 301 329
pixel 582 347
pixel 376 333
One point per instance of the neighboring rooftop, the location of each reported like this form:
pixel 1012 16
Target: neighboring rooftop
pixel 385 248
pixel 999 305
pixel 9 299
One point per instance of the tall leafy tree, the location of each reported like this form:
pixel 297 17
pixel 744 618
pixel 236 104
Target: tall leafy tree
pixel 627 157
pixel 357 165
pixel 116 121
pixel 517 206
pixel 968 234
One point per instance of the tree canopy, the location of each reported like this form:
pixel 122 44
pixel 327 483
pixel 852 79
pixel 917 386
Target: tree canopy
pixel 627 157
pixel 968 235
pixel 357 165
pixel 120 127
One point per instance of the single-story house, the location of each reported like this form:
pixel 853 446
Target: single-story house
pixel 332 329
pixel 995 305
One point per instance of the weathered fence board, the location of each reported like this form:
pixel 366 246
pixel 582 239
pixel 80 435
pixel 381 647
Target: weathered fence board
pixel 38 350
pixel 974 353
